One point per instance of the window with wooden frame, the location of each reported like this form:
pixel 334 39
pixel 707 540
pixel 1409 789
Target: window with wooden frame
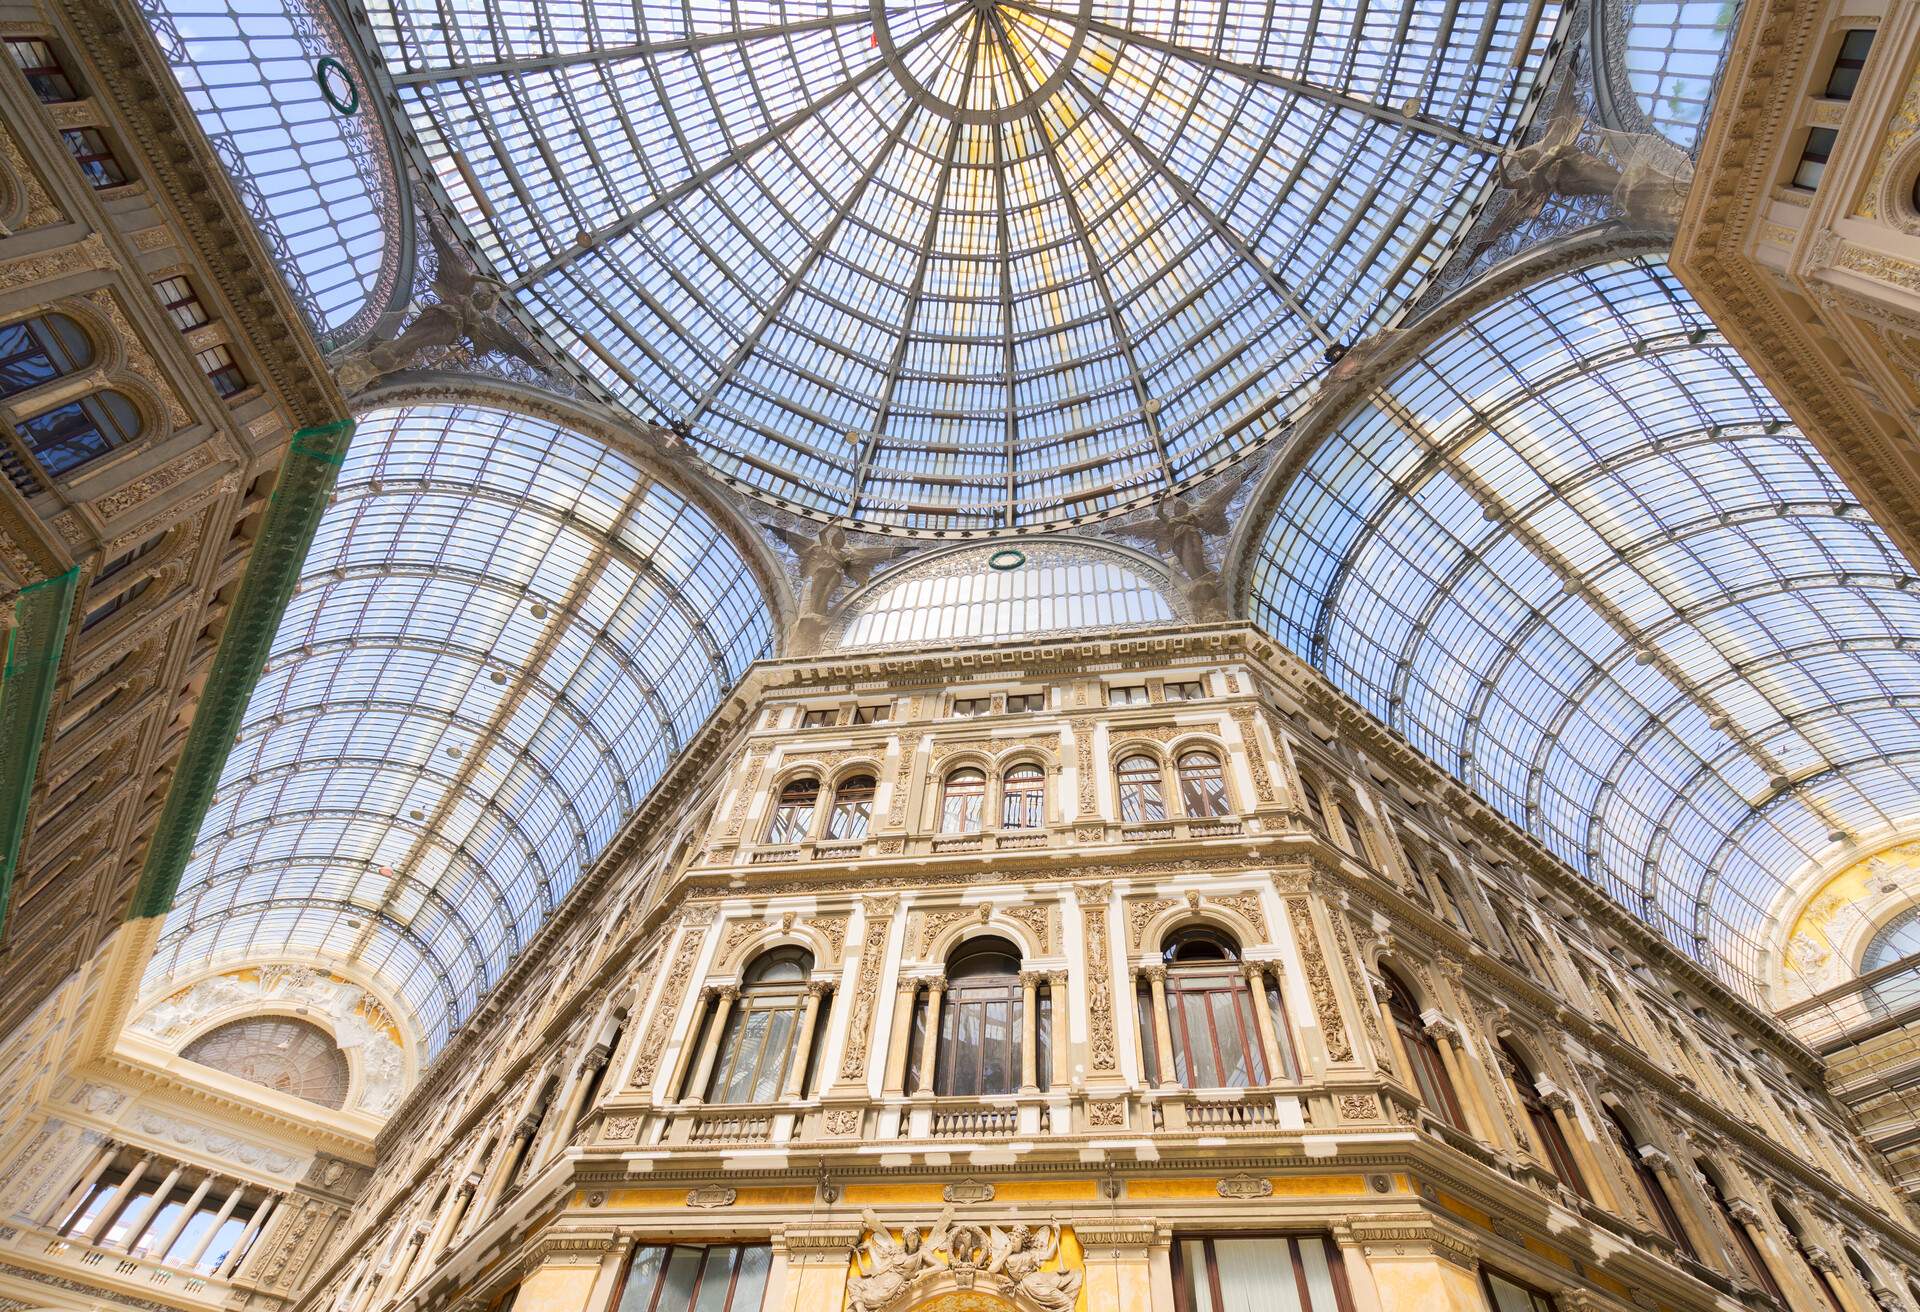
pixel 41 66
pixel 963 801
pixel 90 151
pixel 792 818
pixel 1649 1183
pixel 1257 1273
pixel 694 1278
pixel 1023 797
pixel 1429 1070
pixel 1143 793
pixel 181 303
pixel 757 1048
pixel 1546 1126
pixel 981 1021
pixel 1508 1295
pixel 1203 784
pixel 1216 1039
pixel 852 807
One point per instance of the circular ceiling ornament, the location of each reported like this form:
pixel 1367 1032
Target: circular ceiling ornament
pixel 337 86
pixel 1006 559
pixel 963 266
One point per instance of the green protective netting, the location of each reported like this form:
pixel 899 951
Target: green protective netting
pixel 292 518
pixel 40 615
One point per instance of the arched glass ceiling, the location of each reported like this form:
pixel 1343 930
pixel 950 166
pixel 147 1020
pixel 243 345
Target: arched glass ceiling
pixel 1006 591
pixel 318 181
pixel 1673 53
pixel 960 264
pixel 503 635
pixel 1578 556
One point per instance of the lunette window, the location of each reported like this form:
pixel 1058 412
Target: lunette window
pixel 685 1278
pixel 1259 1273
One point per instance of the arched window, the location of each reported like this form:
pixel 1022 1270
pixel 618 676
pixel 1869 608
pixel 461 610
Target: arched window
pixel 1023 797
pixel 852 808
pixel 757 1047
pixel 1749 1253
pixel 981 1022
pixel 1423 1054
pixel 1316 809
pixel 277 1052
pixel 1203 784
pixel 39 350
pixel 1350 827
pixel 1897 940
pixel 1651 1188
pixel 793 813
pixel 1822 1280
pixel 1862 1268
pixel 963 801
pixel 1546 1127
pixel 1142 791
pixel 1216 1040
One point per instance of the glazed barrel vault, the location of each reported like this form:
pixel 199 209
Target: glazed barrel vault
pixel 1131 973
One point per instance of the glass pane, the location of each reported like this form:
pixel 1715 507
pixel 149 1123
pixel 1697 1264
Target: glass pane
pixel 642 1275
pixel 1227 1018
pixel 1507 1296
pixel 190 1237
pixel 678 1287
pixel 773 1060
pixel 1314 1260
pixel 158 1227
pixel 750 1285
pixel 1202 1066
pixel 716 1278
pixel 1256 1275
pixel 1199 1281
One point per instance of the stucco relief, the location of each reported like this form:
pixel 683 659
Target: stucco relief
pixel 359 1022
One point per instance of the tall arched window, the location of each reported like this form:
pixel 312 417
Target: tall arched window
pixel 1203 784
pixel 1316 809
pixel 1350 827
pixel 1423 1054
pixel 793 813
pixel 963 801
pixel 1652 1190
pixel 39 350
pixel 1023 797
pixel 1142 791
pixel 981 1022
pixel 1216 1040
pixel 1749 1253
pixel 757 1049
pixel 1546 1127
pixel 852 807
pixel 1821 1280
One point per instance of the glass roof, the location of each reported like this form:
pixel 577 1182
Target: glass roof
pixel 1006 590
pixel 959 263
pixel 1579 556
pixel 503 635
pixel 318 181
pixel 1673 53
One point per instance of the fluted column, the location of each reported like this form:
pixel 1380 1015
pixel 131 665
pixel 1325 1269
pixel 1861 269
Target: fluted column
pixel 725 996
pixel 899 1036
pixel 219 1219
pixel 75 1197
pixel 1402 1064
pixel 1827 1267
pixel 508 1163
pixel 593 1061
pixel 930 1040
pixel 803 1041
pixel 1560 1103
pixel 1156 977
pixel 1029 1031
pixel 1748 1216
pixel 1256 976
pixel 154 1204
pixel 103 1222
pixel 238 1252
pixel 172 1236
pixel 1667 1180
pixel 1446 1042
pixel 1060 1076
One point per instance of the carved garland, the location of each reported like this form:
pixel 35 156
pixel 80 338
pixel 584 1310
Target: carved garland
pixel 1256 755
pixel 879 912
pixel 1326 1005
pixel 749 784
pixel 647 1062
pixel 1101 1056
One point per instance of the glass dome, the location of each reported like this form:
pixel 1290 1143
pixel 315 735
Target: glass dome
pixel 963 264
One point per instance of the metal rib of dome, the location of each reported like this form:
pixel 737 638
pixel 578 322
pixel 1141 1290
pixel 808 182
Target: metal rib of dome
pixel 1578 556
pixel 963 264
pixel 503 635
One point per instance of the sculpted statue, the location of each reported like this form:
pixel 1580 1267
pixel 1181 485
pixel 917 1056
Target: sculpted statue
pixel 826 559
pixel 467 308
pixel 1180 529
pixel 963 1255
pixel 887 1268
pixel 1054 1291
pixel 1647 176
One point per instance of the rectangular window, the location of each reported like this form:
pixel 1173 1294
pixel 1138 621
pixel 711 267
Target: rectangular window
pixel 1187 690
pixel 878 713
pixel 1504 1295
pixel 1019 703
pixel 1848 64
pixel 1813 158
pixel 684 1278
pixel 1127 696
pixel 968 706
pixel 218 364
pixel 41 67
pixel 182 306
pixel 95 158
pixel 815 719
pixel 1255 1273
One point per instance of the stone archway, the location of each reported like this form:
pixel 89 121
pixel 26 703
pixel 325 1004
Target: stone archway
pixel 964 1300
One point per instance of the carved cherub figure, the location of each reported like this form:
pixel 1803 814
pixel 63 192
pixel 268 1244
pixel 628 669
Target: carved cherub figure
pixel 826 559
pixel 1180 529
pixel 1032 1249
pixel 1647 176
pixel 887 1267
